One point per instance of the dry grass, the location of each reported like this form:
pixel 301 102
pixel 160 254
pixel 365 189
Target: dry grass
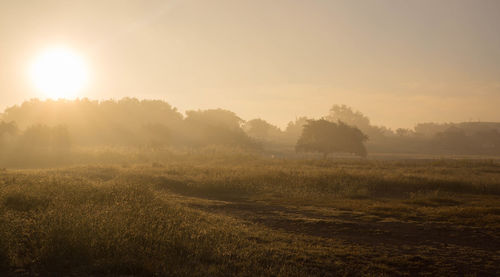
pixel 263 217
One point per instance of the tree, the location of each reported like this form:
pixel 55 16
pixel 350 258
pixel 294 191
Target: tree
pixel 349 116
pixel 214 118
pixel 261 129
pixel 404 132
pixel 329 137
pixel 294 130
pixel 215 127
pixel 44 137
pixel 98 123
pixel 430 129
pixel 356 118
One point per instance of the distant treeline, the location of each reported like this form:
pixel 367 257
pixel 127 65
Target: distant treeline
pixel 56 126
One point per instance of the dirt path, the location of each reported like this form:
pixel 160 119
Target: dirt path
pixel 420 246
pixel 353 227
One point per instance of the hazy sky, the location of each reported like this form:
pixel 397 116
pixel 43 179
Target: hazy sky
pixel 399 62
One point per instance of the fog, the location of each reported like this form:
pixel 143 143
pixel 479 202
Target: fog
pixel 249 138
pixel 54 133
pixel 399 62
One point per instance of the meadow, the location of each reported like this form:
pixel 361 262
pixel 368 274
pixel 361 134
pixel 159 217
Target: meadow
pixel 236 215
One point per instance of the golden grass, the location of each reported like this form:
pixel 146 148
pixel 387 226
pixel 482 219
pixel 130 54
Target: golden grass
pixel 262 217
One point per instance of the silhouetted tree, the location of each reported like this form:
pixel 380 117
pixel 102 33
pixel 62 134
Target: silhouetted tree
pixel 403 132
pixel 349 116
pixel 355 118
pixel 294 130
pixel 328 137
pixel 214 117
pixel 261 129
pixel 217 126
pixel 91 123
pixel 430 129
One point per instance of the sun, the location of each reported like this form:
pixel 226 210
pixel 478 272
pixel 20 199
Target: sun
pixel 59 72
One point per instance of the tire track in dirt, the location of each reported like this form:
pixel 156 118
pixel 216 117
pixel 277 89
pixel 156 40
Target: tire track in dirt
pixel 352 227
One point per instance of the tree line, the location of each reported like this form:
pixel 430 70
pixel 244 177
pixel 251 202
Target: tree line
pixel 56 126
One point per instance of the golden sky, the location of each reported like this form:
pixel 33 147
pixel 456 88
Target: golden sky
pixel 399 62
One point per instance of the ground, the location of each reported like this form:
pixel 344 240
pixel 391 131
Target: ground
pixel 261 217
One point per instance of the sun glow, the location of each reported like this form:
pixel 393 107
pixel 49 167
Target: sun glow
pixel 59 73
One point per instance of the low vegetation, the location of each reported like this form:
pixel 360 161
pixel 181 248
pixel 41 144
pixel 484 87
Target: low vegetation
pixel 228 216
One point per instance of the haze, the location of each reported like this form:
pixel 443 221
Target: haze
pixel 249 138
pixel 400 62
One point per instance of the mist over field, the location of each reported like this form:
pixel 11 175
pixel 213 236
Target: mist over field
pixel 65 132
pixel 249 138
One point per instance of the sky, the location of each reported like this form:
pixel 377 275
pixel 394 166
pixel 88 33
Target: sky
pixel 398 62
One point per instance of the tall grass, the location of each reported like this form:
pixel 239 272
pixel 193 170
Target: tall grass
pixel 130 219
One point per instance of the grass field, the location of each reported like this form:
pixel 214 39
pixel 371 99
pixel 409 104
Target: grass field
pixel 253 217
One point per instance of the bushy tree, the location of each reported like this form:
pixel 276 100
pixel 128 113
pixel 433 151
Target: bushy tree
pixel 215 127
pixel 294 130
pixel 329 137
pixel 215 118
pixel 96 123
pixel 349 116
pixel 356 118
pixel 430 129
pixel 261 129
pixel 404 132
